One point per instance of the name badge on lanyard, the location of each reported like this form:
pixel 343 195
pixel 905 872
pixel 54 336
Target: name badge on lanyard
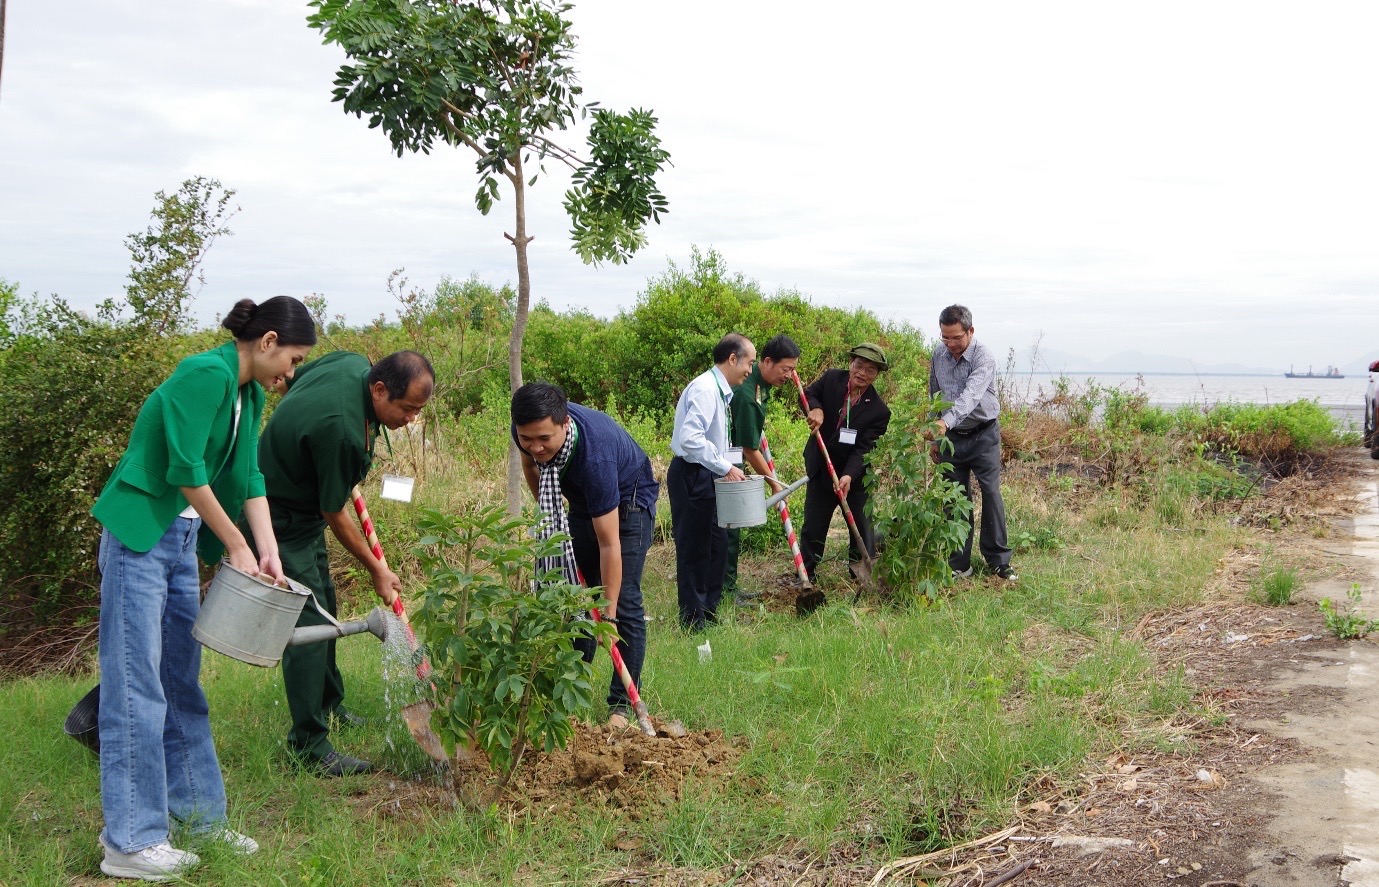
pixel 735 455
pixel 847 436
pixel 397 487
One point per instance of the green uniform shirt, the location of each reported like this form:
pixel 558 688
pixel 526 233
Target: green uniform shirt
pixel 749 410
pixel 183 438
pixel 319 441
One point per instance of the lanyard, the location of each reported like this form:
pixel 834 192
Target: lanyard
pixel 846 411
pixel 369 440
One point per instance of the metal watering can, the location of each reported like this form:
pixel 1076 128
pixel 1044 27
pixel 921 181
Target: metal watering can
pixel 248 619
pixel 740 502
pixel 254 621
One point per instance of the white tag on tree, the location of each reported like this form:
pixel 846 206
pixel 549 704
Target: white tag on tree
pixel 847 436
pixel 397 488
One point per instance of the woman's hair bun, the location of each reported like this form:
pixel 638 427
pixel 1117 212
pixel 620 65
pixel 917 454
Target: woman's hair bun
pixel 239 316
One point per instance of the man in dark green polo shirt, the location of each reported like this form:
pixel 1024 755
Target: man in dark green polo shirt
pixel 774 366
pixel 316 447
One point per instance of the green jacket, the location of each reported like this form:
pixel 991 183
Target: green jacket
pixel 182 438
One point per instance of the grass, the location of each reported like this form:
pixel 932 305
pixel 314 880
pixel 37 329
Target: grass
pixel 895 731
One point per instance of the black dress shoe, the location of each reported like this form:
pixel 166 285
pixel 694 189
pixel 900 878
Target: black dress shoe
pixel 345 718
pixel 336 764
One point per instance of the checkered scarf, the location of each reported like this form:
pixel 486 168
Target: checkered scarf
pixel 553 507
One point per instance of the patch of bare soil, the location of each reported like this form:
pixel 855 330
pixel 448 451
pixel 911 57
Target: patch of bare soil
pixel 617 768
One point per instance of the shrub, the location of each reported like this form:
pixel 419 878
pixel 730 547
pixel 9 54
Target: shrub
pixel 73 385
pixel 921 517
pixel 506 674
pixel 1275 435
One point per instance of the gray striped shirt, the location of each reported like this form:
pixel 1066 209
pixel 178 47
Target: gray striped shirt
pixel 969 382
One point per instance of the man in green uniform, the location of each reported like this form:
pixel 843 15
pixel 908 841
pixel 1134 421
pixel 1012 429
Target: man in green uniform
pixel 316 447
pixel 748 407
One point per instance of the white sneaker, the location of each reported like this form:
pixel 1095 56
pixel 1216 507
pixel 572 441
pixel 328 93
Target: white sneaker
pixel 161 862
pixel 962 574
pixel 241 844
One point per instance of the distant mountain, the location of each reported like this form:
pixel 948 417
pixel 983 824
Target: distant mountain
pixel 1360 365
pixel 1128 363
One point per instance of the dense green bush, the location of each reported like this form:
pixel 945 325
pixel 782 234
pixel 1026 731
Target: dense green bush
pixel 73 385
pixel 71 389
pixel 1275 434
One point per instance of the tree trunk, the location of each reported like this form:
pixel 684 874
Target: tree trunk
pixel 2 35
pixel 519 326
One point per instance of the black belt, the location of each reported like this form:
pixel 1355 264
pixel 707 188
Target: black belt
pixel 975 429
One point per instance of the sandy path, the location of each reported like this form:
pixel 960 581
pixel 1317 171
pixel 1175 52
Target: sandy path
pixel 1325 829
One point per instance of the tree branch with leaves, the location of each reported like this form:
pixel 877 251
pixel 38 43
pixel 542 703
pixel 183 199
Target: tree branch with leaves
pixel 494 76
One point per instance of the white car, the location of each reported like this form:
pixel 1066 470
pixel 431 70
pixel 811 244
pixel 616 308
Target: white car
pixel 1372 412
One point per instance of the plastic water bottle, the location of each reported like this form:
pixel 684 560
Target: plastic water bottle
pixel 705 652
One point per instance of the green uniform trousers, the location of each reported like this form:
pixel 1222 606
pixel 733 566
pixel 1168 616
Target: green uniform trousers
pixel 315 687
pixel 730 572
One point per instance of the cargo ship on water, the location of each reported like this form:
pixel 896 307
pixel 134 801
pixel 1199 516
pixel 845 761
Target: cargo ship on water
pixel 1331 373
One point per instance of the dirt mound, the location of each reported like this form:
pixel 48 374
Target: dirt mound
pixel 622 769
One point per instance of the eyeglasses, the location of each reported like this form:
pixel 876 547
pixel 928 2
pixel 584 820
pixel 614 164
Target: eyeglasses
pixel 955 339
pixel 865 368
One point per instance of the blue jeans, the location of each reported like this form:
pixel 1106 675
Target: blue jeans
pixel 158 760
pixel 634 537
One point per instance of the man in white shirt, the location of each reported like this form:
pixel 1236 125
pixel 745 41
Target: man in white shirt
pixel 702 454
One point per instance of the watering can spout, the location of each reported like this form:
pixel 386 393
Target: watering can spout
pixel 739 502
pixel 376 623
pixel 772 501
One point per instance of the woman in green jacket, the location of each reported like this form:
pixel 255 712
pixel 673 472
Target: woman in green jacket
pixel 191 466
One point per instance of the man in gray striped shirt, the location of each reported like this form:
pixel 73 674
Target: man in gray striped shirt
pixel 965 372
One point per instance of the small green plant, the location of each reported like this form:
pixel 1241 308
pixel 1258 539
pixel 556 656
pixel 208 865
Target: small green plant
pixel 922 516
pixel 1350 622
pixel 506 674
pixel 1037 539
pixel 1276 587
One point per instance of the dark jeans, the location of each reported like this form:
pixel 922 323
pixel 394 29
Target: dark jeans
pixel 634 534
pixel 701 545
pixel 820 501
pixel 979 454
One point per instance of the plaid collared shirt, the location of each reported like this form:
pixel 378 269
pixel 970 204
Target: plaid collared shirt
pixel 969 382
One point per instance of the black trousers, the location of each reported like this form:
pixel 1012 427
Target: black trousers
pixel 979 455
pixel 820 501
pixel 701 545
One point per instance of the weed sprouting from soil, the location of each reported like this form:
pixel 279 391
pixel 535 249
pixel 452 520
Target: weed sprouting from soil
pixel 1347 622
pixel 1276 587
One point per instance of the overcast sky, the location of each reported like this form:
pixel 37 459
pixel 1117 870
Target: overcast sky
pixel 1196 179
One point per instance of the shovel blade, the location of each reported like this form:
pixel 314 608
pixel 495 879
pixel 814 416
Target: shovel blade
pixel 417 716
pixel 809 600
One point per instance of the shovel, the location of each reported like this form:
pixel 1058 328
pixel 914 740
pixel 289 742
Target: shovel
pixel 863 569
pixel 638 706
pixel 809 598
pixel 416 716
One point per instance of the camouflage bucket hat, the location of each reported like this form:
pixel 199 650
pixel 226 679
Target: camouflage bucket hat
pixel 871 352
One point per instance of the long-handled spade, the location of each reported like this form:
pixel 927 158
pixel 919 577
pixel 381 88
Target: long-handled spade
pixel 863 569
pixel 809 598
pixel 417 716
pixel 638 706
